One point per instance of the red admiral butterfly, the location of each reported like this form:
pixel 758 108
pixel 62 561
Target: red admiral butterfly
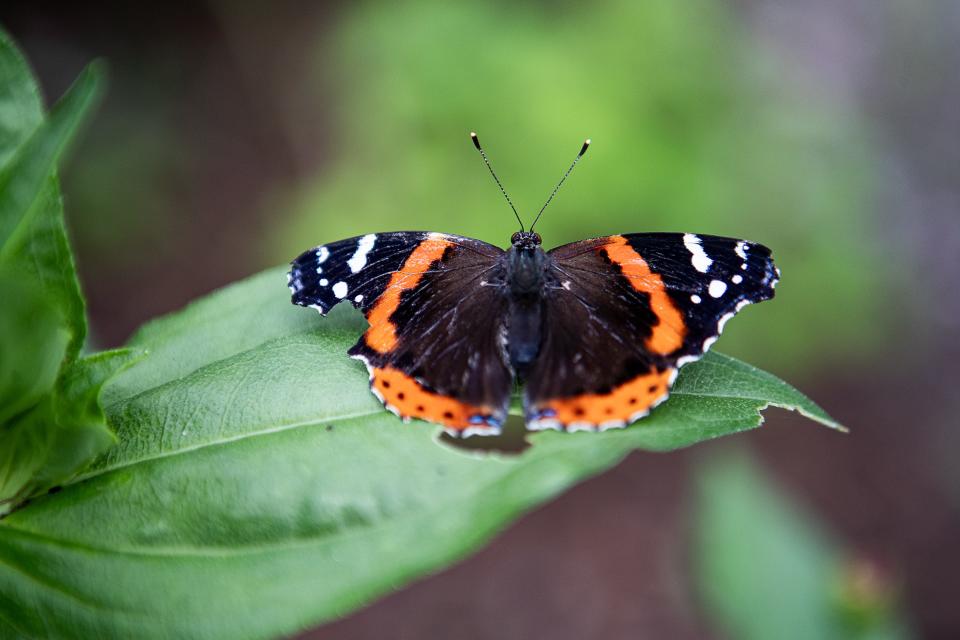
pixel 596 329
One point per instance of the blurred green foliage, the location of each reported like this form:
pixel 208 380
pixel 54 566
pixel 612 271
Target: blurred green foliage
pixel 766 569
pixel 693 129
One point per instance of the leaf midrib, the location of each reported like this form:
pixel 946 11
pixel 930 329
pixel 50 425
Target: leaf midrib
pixel 222 441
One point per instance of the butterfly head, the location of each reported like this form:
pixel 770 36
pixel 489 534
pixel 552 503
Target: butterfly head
pixel 525 239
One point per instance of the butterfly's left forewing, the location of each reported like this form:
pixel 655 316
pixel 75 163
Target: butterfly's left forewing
pixel 625 312
pixel 434 348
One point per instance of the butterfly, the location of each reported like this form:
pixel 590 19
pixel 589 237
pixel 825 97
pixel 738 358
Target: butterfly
pixel 595 330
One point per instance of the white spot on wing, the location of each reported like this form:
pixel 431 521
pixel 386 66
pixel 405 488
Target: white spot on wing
pixel 695 299
pixel 322 254
pixel 359 258
pixel 741 249
pixel 699 258
pixel 324 282
pixel 340 289
pixel 359 298
pixel 737 279
pixel 717 288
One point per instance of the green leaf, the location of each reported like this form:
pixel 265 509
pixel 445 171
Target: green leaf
pixel 59 435
pixel 82 433
pixel 21 108
pixel 50 422
pixel 258 487
pixel 32 234
pixel 33 342
pixel 767 570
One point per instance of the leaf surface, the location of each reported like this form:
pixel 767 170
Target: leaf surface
pixel 259 488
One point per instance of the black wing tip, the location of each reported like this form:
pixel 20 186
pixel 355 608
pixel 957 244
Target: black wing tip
pixel 304 282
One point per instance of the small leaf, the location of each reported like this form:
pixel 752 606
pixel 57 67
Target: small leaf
pixel 82 433
pixel 32 235
pixel 259 488
pixel 768 570
pixel 59 435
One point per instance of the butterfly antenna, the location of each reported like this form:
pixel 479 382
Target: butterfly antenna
pixel 476 143
pixel 583 150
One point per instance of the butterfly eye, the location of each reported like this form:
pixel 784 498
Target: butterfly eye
pixel 536 237
pixel 515 238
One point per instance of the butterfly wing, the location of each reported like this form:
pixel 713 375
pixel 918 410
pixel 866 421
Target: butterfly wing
pixel 625 312
pixel 435 345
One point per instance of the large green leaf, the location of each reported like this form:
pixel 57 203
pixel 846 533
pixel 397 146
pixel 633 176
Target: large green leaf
pixel 32 235
pixel 766 568
pixel 258 488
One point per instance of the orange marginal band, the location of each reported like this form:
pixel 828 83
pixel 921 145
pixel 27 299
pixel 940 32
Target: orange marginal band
pixel 403 393
pixel 668 334
pixel 632 397
pixel 382 334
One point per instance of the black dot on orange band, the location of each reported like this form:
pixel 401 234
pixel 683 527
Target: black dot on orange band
pixel 609 410
pixel 386 384
pixel 420 408
pixel 401 396
pixel 447 415
pixel 652 388
pixel 578 411
pixel 633 401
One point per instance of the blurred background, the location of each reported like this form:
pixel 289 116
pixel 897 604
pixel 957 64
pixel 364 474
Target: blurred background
pixel 236 134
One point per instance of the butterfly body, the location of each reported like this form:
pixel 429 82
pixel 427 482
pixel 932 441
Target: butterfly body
pixel 526 266
pixel 596 330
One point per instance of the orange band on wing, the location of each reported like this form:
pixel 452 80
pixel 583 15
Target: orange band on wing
pixel 399 391
pixel 668 334
pixel 634 397
pixel 382 334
